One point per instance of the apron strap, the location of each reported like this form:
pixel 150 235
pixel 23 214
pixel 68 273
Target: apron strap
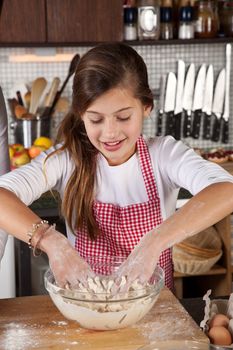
pixel 146 168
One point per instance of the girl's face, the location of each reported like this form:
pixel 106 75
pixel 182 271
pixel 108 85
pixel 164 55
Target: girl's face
pixel 113 124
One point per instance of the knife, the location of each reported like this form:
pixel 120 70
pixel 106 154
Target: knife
pixel 218 101
pixel 179 95
pixel 198 101
pixel 169 104
pixel 207 103
pixel 187 99
pixel 225 117
pixel 161 105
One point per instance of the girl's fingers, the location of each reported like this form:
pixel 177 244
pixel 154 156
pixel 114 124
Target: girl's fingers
pixel 116 286
pixel 60 282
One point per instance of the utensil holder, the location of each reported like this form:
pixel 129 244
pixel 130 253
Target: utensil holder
pixel 26 131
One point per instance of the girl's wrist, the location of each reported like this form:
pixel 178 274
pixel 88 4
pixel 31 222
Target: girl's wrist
pixel 35 234
pixel 50 240
pixel 157 240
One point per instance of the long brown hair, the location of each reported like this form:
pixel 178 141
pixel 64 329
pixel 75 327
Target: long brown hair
pixel 102 68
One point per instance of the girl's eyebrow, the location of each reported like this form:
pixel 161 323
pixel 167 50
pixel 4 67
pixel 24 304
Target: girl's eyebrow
pixel 119 110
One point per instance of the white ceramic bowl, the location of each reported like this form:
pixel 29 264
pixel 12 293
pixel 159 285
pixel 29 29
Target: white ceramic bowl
pixel 102 311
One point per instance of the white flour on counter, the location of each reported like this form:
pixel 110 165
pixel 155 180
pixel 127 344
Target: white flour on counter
pixel 165 325
pixel 167 328
pixel 60 323
pixel 21 336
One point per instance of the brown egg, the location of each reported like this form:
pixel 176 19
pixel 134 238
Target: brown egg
pixel 219 320
pixel 219 335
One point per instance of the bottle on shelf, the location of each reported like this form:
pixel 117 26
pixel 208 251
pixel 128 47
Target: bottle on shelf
pixel 225 10
pixel 186 23
pixel 130 23
pixel 206 19
pixel 166 20
pixel 148 19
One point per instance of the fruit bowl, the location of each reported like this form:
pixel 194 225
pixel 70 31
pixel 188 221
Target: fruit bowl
pixel 96 307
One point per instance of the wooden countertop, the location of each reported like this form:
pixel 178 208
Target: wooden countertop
pixel 35 323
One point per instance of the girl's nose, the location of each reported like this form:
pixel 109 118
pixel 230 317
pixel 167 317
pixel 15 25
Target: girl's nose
pixel 111 128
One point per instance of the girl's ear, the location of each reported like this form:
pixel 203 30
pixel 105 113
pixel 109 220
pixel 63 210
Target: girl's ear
pixel 147 111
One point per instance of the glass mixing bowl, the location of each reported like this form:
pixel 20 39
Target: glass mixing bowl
pixel 96 308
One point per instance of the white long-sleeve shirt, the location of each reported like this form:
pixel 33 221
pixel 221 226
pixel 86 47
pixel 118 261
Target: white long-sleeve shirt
pixel 175 165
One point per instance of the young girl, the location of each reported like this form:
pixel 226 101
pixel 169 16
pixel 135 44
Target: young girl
pixel 118 189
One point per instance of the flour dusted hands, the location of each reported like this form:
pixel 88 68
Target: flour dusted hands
pixel 65 262
pixel 140 264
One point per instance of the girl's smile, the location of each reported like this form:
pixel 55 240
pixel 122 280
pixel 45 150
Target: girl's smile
pixel 113 124
pixel 113 146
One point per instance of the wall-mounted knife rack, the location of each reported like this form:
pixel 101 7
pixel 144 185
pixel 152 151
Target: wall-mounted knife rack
pixel 162 60
pixel 161 57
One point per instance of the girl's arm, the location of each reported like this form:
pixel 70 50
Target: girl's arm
pixel 17 219
pixel 21 187
pixel 203 210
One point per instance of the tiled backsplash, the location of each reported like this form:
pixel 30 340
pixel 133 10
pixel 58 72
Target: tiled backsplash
pixel 160 59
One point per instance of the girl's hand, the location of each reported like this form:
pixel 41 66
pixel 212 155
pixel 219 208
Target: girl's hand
pixel 141 263
pixel 65 262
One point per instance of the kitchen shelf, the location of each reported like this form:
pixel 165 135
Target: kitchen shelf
pixel 181 41
pixel 132 43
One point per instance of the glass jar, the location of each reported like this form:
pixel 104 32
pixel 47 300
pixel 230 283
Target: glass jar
pixel 226 18
pixel 206 19
pixel 148 19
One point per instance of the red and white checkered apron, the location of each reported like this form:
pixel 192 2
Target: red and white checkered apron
pixel 122 227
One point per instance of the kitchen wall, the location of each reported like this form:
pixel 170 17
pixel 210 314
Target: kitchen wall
pixel 160 59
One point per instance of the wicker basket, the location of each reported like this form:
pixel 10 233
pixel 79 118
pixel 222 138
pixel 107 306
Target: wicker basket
pixel 197 251
pixel 197 254
pixel 190 264
pixel 208 239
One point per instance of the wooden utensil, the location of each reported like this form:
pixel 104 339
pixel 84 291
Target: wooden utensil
pixel 27 99
pixel 72 68
pixel 62 105
pixel 50 97
pixel 20 111
pixel 38 87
